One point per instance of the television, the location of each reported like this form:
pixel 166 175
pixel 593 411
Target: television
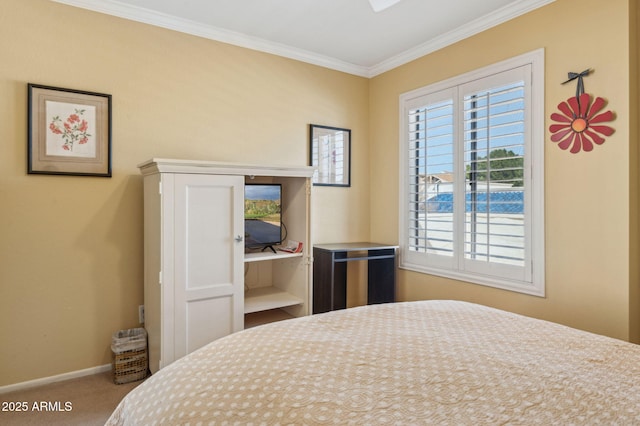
pixel 262 215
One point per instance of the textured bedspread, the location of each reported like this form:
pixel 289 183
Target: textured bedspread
pixel 414 363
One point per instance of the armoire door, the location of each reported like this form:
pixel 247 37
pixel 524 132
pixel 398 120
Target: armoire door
pixel 208 259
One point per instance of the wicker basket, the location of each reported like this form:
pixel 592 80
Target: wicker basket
pixel 130 361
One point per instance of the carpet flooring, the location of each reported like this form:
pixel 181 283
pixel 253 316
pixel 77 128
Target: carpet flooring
pixel 85 401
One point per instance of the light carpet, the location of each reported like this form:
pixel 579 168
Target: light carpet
pixel 83 401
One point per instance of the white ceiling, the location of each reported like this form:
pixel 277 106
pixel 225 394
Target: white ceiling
pixel 345 35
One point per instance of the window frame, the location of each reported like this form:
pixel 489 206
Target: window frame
pixel 533 282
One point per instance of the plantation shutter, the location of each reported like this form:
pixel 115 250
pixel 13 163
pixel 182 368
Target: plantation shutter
pixel 494 144
pixel 472 204
pixel 430 164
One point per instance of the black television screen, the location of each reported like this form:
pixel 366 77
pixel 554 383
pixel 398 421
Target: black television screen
pixel 262 215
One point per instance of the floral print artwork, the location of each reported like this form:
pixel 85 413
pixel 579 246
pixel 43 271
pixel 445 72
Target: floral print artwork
pixel 73 129
pixel 69 129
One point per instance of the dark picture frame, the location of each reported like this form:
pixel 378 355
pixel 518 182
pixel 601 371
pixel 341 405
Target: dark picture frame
pixel 330 154
pixel 69 132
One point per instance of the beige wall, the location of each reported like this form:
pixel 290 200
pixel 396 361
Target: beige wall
pixel 591 202
pixel 634 178
pixel 71 247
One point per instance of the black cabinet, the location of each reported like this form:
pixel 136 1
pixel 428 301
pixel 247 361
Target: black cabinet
pixel 330 273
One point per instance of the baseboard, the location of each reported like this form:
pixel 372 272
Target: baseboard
pixel 53 379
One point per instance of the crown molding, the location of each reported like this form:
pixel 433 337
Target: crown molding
pixel 146 16
pixel 474 27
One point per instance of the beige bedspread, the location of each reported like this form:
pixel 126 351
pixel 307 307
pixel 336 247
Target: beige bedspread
pixel 414 363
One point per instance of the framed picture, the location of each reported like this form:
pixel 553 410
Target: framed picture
pixel 69 132
pixel 330 153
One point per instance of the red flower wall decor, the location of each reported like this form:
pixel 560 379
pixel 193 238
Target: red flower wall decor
pixel 579 124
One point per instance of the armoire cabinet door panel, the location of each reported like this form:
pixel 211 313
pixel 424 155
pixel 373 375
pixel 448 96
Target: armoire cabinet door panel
pixel 208 283
pixel 208 320
pixel 209 241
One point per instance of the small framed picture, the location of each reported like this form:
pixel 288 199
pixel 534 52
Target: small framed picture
pixel 330 153
pixel 69 132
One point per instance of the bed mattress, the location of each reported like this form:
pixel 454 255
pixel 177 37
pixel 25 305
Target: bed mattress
pixel 412 363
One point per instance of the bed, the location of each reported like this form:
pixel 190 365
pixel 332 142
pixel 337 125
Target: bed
pixel 410 363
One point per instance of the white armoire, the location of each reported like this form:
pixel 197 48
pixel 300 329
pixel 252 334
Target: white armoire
pixel 199 280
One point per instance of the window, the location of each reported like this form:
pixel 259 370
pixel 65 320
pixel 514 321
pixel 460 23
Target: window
pixel 472 175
